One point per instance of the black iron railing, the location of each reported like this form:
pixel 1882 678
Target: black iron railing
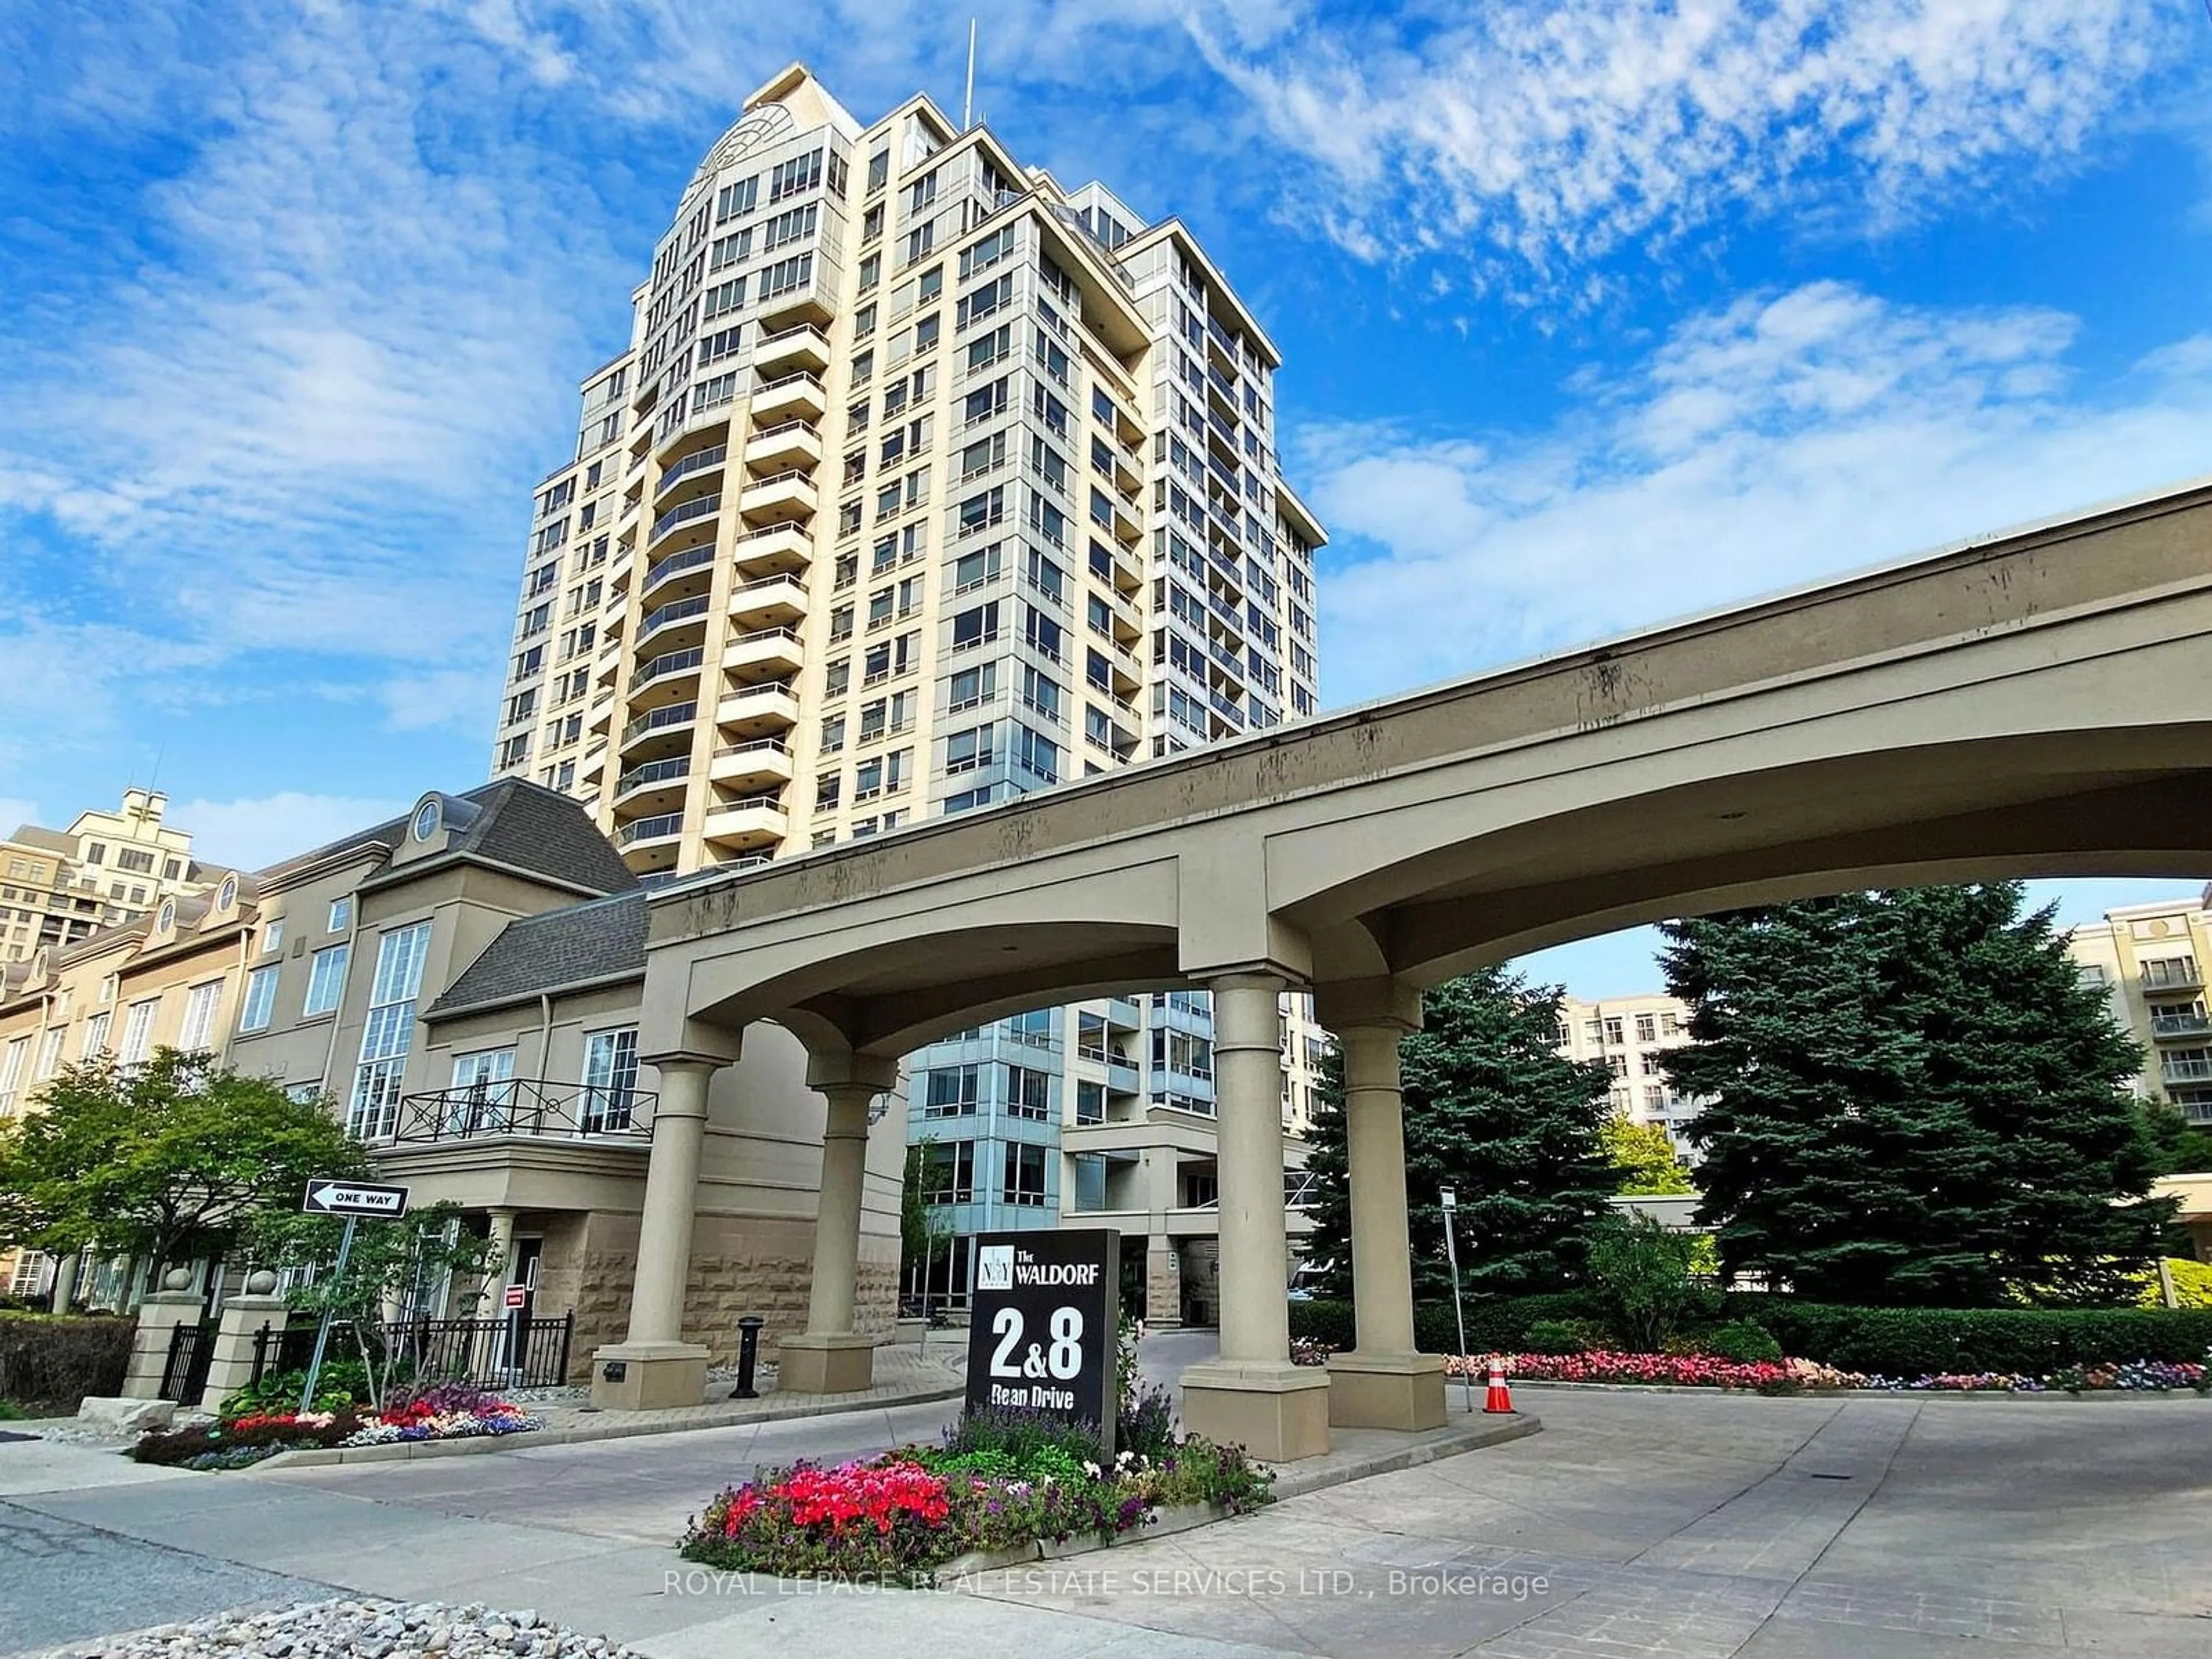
pixel 185 1372
pixel 521 1106
pixel 512 1353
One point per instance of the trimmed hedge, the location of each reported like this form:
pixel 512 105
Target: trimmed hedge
pixel 56 1361
pixel 1890 1341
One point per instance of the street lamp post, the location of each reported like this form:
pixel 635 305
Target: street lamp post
pixel 1459 1313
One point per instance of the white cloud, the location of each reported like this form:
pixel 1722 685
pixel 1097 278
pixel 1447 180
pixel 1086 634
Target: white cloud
pixel 1780 439
pixel 251 834
pixel 1535 134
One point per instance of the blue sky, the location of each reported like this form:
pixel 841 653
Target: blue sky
pixel 1595 311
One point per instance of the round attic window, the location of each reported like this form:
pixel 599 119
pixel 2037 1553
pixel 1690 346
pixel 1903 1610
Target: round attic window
pixel 227 895
pixel 426 820
pixel 166 917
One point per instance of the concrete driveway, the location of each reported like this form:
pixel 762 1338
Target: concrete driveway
pixel 1636 1523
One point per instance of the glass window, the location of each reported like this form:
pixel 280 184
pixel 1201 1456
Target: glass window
pixel 326 979
pixel 609 1080
pixel 139 1030
pixel 388 1036
pixel 1025 1182
pixel 1029 1093
pixel 341 915
pixel 198 1030
pixel 950 1090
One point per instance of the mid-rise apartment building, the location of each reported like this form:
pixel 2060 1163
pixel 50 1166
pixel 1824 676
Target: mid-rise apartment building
pixel 58 886
pixel 923 482
pixel 1632 1036
pixel 463 987
pixel 2149 959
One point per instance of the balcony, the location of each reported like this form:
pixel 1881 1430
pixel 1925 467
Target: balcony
pixel 662 828
pixel 772 602
pixel 530 1108
pixel 677 517
pixel 755 822
pixel 759 710
pixel 773 549
pixel 697 562
pixel 808 303
pixel 765 651
pixel 2171 974
pixel 709 459
pixel 781 496
pixel 2185 1068
pixel 758 764
pixel 804 347
pixel 660 625
pixel 672 674
pixel 656 782
pixel 785 445
pixel 2168 1028
pixel 662 725
pixel 788 397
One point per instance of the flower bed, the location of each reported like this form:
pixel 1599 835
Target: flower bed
pixel 445 1411
pixel 1790 1376
pixel 998 1485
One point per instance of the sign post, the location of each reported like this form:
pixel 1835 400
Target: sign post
pixel 1044 1326
pixel 352 1200
pixel 1459 1313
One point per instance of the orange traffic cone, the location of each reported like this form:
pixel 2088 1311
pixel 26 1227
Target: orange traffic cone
pixel 1500 1398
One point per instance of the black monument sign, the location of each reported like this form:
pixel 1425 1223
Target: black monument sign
pixel 1044 1324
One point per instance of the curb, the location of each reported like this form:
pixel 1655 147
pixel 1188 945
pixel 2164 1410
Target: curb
pixel 404 1450
pixel 1290 1482
pixel 2086 1396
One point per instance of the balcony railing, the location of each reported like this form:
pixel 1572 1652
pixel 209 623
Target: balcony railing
pixel 714 455
pixel 677 714
pixel 659 771
pixel 526 1106
pixel 659 827
pixel 2175 974
pixel 2180 1025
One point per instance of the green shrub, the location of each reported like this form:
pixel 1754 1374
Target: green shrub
pixel 1744 1340
pixel 341 1382
pixel 1916 1341
pixel 1323 1321
pixel 54 1361
pixel 1563 1336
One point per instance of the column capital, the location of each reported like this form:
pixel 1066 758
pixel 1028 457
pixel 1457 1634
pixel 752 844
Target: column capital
pixel 1261 975
pixel 876 1074
pixel 686 1060
pixel 1384 1002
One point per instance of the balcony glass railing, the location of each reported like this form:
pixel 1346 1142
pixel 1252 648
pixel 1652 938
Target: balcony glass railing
pixel 659 771
pixel 705 507
pixel 677 714
pixel 673 662
pixel 681 611
pixel 2180 1025
pixel 659 826
pixel 700 461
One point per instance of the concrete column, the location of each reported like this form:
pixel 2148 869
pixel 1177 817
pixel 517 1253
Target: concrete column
pixel 160 1313
pixel 243 1316
pixel 1163 1284
pixel 1382 1383
pixel 1253 1395
pixel 831 1357
pixel 502 1250
pixel 653 1367
pixel 64 1290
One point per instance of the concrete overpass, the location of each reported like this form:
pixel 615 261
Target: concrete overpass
pixel 2038 703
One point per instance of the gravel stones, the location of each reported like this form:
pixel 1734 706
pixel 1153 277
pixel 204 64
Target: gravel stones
pixel 357 1629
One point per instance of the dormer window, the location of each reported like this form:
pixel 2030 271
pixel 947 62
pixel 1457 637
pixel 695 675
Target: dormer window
pixel 165 920
pixel 227 895
pixel 426 820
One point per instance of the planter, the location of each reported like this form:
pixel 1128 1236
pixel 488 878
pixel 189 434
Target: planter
pixel 1175 1518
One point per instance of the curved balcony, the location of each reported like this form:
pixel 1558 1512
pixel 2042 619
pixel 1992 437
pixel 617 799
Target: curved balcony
pixel 662 727
pixel 772 551
pixel 661 829
pixel 763 651
pixel 782 496
pixel 750 823
pixel 788 396
pixel 775 601
pixel 804 347
pixel 709 459
pixel 677 517
pixel 676 566
pixel 757 710
pixel 760 763
pixel 666 677
pixel 785 445
pixel 662 624
pixel 645 785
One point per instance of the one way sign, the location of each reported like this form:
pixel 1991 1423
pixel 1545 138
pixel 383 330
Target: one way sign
pixel 355 1198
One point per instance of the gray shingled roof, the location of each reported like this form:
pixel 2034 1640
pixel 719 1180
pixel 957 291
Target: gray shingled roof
pixel 599 939
pixel 535 828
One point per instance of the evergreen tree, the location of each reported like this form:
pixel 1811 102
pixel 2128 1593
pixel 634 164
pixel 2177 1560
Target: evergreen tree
pixel 1493 1111
pixel 1913 1101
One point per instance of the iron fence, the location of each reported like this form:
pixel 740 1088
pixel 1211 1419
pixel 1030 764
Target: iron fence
pixel 522 1106
pixel 514 1353
pixel 185 1372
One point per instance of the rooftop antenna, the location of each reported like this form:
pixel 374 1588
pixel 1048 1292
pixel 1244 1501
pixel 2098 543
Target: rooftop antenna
pixel 967 100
